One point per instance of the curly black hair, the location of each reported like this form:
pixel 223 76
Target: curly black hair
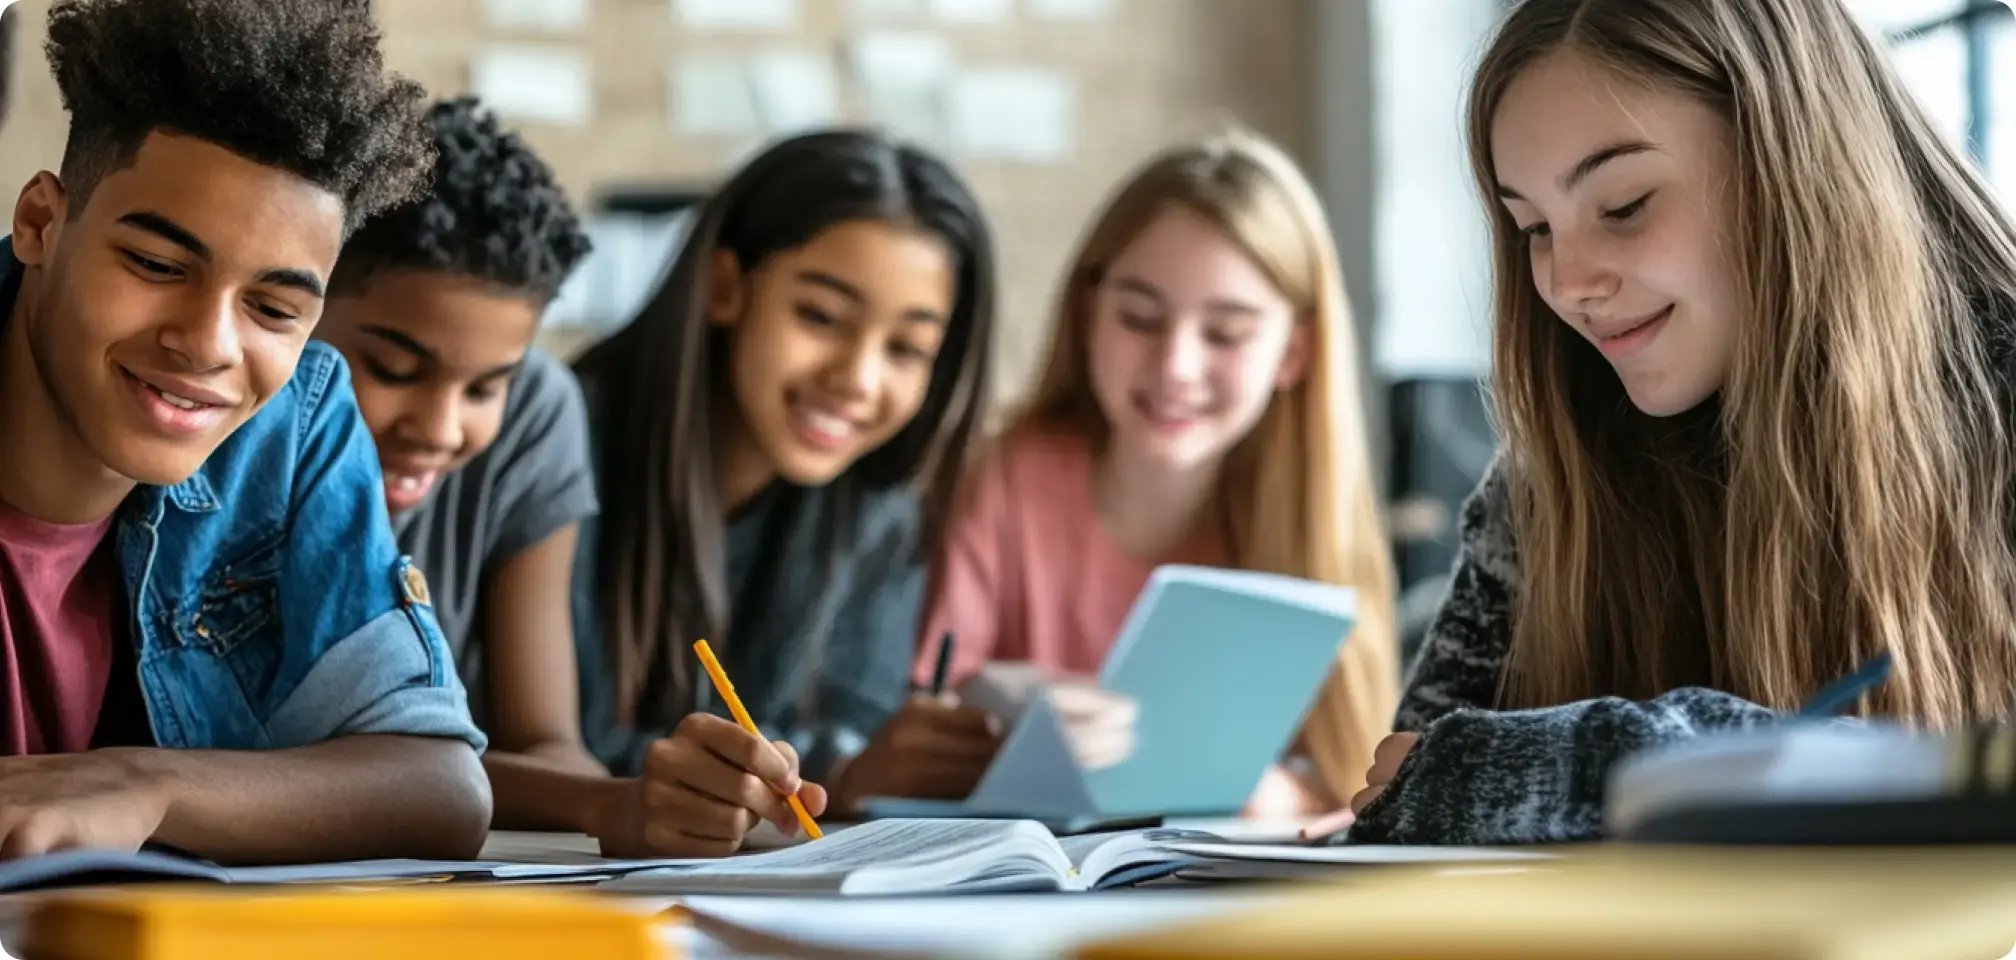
pixel 299 85
pixel 493 213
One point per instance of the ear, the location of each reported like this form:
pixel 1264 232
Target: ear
pixel 39 214
pixel 1295 360
pixel 726 297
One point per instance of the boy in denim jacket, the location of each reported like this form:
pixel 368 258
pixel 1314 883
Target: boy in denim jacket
pixel 208 638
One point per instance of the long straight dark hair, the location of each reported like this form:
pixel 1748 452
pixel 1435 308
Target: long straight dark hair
pixel 660 560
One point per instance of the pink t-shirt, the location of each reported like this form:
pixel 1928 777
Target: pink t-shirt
pixel 1029 573
pixel 59 619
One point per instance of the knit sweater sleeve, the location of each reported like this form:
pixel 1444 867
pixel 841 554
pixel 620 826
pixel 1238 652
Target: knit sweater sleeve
pixel 1481 776
pixel 1463 655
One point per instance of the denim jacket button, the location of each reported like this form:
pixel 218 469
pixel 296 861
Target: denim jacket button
pixel 416 586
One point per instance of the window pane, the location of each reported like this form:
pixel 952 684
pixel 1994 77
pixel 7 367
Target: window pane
pixel 1884 16
pixel 2002 107
pixel 1934 68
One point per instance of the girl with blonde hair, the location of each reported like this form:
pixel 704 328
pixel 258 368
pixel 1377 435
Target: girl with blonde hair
pixel 1200 404
pixel 1754 329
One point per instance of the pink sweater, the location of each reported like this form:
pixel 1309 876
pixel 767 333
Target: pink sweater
pixel 1029 574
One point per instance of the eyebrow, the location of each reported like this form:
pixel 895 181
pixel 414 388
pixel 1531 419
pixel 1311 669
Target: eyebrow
pixel 1588 165
pixel 820 278
pixel 418 349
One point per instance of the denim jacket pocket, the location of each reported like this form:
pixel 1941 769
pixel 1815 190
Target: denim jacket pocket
pixel 238 601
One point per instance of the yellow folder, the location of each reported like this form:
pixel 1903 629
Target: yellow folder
pixel 434 923
pixel 1655 904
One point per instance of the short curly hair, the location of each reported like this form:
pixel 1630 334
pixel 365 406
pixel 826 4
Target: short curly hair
pixel 299 85
pixel 493 213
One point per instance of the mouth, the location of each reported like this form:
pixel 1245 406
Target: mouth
pixel 406 485
pixel 1620 340
pixel 1164 416
pixel 822 428
pixel 176 408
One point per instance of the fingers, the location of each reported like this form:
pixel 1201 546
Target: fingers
pixel 1364 798
pixel 741 749
pixel 1079 703
pixel 1330 823
pixel 947 718
pixel 1391 751
pixel 35 833
pixel 814 797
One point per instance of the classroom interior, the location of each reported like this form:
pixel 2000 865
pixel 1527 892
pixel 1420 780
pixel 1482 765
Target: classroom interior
pixel 641 106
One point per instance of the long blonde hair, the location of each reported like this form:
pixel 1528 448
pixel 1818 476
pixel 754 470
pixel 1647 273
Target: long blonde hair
pixel 1847 491
pixel 1296 495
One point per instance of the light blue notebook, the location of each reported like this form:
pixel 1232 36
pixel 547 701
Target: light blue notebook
pixel 1223 665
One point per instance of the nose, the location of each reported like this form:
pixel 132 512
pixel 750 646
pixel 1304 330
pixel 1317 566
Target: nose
pixel 856 372
pixel 1579 274
pixel 1182 351
pixel 204 335
pixel 434 422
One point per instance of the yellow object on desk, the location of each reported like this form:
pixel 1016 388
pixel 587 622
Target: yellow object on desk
pixel 437 923
pixel 1643 903
pixel 727 692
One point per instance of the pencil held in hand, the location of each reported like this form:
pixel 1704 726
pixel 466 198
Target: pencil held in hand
pixel 727 692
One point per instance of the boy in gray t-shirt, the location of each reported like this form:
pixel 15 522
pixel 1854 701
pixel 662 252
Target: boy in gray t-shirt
pixel 483 441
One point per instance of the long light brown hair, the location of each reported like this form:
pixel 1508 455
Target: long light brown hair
pixel 1846 493
pixel 1296 495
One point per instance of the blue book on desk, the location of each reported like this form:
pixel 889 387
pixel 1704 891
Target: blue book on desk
pixel 1223 665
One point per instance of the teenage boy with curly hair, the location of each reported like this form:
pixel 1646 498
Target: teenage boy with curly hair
pixel 208 637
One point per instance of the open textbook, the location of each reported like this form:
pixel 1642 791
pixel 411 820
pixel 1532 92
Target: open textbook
pixel 927 856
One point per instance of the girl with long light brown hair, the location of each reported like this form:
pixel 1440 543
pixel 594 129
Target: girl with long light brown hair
pixel 1200 404
pixel 1754 331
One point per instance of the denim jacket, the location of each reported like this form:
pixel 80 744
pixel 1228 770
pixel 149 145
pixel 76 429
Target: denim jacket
pixel 271 607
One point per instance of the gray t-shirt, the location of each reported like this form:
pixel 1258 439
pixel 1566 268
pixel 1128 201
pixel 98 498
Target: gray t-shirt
pixel 533 481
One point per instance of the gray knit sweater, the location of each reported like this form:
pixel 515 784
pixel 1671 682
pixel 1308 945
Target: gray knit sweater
pixel 1480 776
pixel 1527 776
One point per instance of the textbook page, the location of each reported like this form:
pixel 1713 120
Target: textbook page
pixel 883 857
pixel 984 927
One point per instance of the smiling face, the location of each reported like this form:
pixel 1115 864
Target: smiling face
pixel 170 308
pixel 831 344
pixel 1189 341
pixel 1626 197
pixel 433 355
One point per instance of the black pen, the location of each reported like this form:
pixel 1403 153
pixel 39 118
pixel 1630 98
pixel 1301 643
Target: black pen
pixel 943 670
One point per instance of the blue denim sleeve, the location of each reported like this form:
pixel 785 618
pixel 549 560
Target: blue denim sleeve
pixel 360 631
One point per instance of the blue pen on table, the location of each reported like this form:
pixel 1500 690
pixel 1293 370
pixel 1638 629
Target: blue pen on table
pixel 1835 698
pixel 943 670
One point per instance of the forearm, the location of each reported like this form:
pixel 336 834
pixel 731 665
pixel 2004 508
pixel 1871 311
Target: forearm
pixel 549 787
pixel 351 798
pixel 1534 776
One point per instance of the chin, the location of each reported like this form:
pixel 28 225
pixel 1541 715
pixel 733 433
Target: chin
pixel 1666 403
pixel 156 464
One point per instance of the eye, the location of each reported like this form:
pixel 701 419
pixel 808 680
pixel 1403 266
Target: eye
pixel 1226 338
pixel 1140 322
pixel 488 390
pixel 151 268
pixel 386 375
pixel 815 316
pixel 1536 231
pixel 1626 212
pixel 274 312
pixel 910 352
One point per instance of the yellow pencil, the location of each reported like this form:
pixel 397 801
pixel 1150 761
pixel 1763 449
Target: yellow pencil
pixel 727 692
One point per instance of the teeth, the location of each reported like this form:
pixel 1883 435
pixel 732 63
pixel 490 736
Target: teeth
pixel 827 423
pixel 183 403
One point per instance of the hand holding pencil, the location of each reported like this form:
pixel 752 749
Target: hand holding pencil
pixel 705 787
